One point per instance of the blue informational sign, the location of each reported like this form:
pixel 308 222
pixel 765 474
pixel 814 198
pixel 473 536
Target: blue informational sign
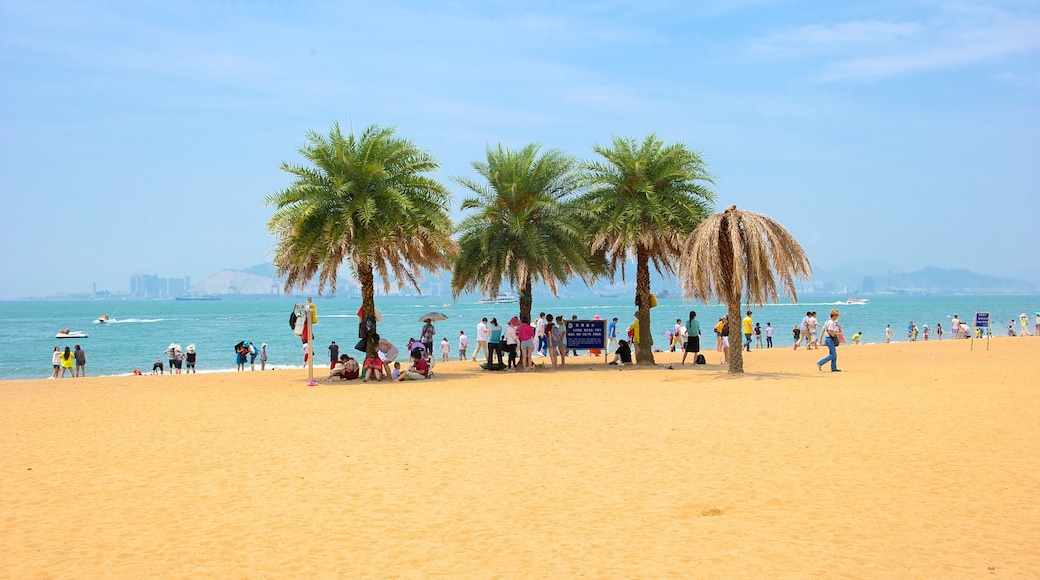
pixel 586 334
pixel 982 320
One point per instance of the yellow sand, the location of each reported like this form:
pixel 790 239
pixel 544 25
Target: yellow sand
pixel 918 461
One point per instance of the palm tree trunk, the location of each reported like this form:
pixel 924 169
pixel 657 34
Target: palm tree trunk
pixel 368 302
pixel 645 356
pixel 731 288
pixel 525 298
pixel 736 337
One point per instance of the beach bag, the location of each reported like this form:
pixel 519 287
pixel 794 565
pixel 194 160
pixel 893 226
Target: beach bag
pixel 700 360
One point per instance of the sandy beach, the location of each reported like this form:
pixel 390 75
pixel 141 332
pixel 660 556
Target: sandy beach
pixel 918 461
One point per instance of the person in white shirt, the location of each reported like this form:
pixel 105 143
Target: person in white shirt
pixel 539 335
pixel 463 345
pixel 803 331
pixel 482 337
pixel 955 326
pixel 831 336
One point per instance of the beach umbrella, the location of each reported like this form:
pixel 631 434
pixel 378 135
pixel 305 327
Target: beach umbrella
pixel 433 317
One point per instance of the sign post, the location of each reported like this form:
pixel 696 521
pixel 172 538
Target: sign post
pixel 587 335
pixel 981 322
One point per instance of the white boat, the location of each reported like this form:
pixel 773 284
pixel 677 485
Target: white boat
pixel 500 299
pixel 857 301
pixel 70 334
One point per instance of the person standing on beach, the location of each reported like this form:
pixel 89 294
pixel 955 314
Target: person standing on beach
pixel 769 335
pixel 445 349
pixel 802 331
pixel 463 344
pixel 263 356
pixel 748 328
pixel 525 334
pixel 512 341
pixel 814 338
pixel 1036 326
pixel 955 326
pixel 333 355
pixel 559 339
pixel 693 337
pixel 189 360
pixel 540 334
pixel 1025 324
pixel 68 361
pixel 725 340
pixel 831 336
pixel 573 317
pixel 758 335
pixel 612 334
pixel 888 333
pixel 81 362
pixel 494 341
pixel 56 361
pixel 427 335
pixel 482 336
pixel 938 331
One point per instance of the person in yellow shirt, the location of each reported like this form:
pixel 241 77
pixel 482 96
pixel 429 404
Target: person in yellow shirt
pixel 633 333
pixel 747 324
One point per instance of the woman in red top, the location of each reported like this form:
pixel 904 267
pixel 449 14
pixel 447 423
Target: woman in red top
pixel 373 369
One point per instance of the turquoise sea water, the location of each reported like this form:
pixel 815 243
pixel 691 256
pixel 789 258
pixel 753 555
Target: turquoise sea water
pixel 141 330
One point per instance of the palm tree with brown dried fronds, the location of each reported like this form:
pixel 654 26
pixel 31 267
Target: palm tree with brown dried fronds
pixel 737 252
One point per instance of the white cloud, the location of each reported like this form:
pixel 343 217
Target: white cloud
pixel 959 35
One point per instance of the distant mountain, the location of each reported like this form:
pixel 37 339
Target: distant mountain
pixel 962 281
pixel 237 282
pixel 267 270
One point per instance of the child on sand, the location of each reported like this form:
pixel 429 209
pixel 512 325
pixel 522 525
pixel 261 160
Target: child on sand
pixel 396 372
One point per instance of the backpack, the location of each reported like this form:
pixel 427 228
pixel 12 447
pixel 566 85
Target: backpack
pixel 700 360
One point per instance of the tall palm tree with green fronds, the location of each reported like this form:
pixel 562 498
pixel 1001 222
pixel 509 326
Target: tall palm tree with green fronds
pixel 740 252
pixel 366 201
pixel 643 198
pixel 523 228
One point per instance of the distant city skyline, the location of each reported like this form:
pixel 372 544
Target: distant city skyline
pixel 884 135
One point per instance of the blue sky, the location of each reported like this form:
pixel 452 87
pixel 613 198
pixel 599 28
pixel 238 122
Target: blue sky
pixel 142 137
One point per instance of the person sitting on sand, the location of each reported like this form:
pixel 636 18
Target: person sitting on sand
pixel 373 369
pixel 418 370
pixel 396 373
pixel 343 369
pixel 623 354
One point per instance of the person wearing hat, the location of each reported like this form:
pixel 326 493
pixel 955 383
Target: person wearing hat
pixel 831 338
pixel 263 356
pixel 189 360
pixel 1024 320
pixel 171 354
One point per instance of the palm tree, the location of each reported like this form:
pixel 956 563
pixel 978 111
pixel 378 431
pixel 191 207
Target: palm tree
pixel 739 251
pixel 643 199
pixel 366 201
pixel 524 229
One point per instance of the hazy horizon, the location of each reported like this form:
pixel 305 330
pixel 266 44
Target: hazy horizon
pixel 142 138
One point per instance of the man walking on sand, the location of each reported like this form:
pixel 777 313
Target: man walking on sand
pixel 482 336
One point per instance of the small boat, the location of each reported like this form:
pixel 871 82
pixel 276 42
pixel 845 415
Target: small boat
pixel 500 299
pixel 857 301
pixel 101 319
pixel 605 295
pixel 66 333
